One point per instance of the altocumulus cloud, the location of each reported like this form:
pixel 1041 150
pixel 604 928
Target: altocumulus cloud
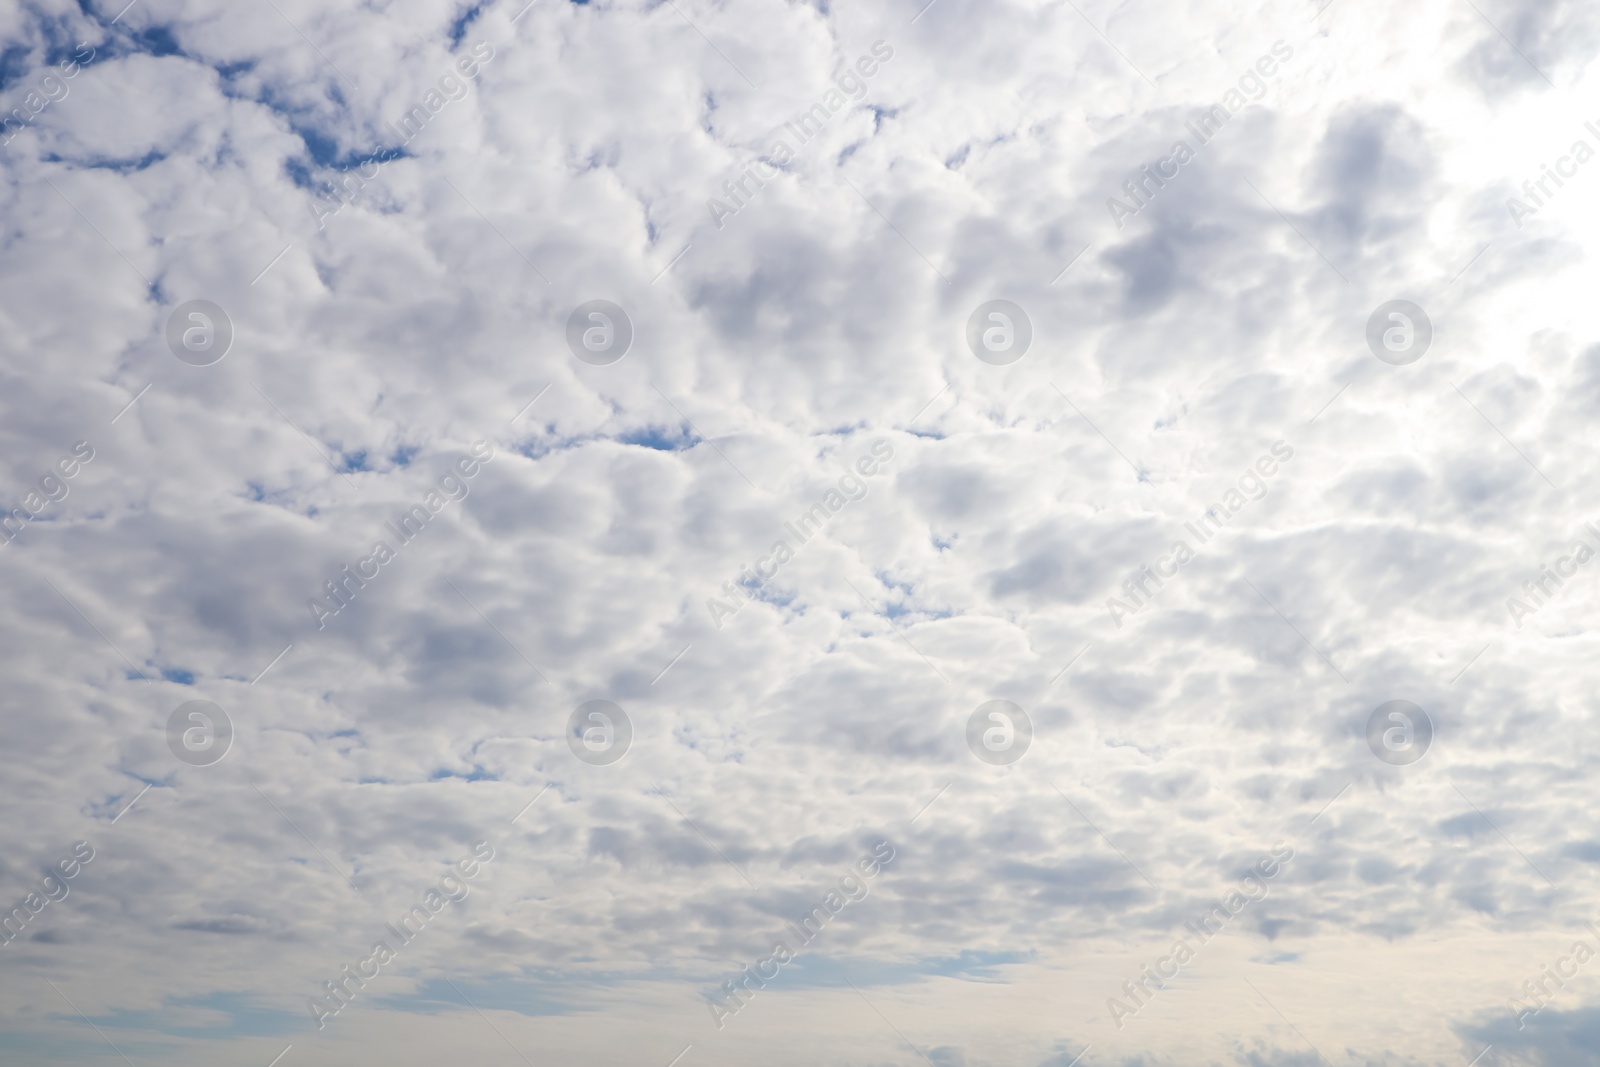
pixel 955 157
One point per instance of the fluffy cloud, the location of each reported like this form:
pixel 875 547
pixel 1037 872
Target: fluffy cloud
pixel 397 295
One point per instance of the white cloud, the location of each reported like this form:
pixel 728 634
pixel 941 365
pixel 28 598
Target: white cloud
pixel 191 160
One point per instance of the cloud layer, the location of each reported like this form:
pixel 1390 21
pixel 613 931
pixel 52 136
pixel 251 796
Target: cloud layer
pixel 648 354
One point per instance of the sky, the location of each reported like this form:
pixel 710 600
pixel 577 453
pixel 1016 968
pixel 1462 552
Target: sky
pixel 692 533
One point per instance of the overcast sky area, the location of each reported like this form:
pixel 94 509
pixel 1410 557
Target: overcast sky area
pixel 992 533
